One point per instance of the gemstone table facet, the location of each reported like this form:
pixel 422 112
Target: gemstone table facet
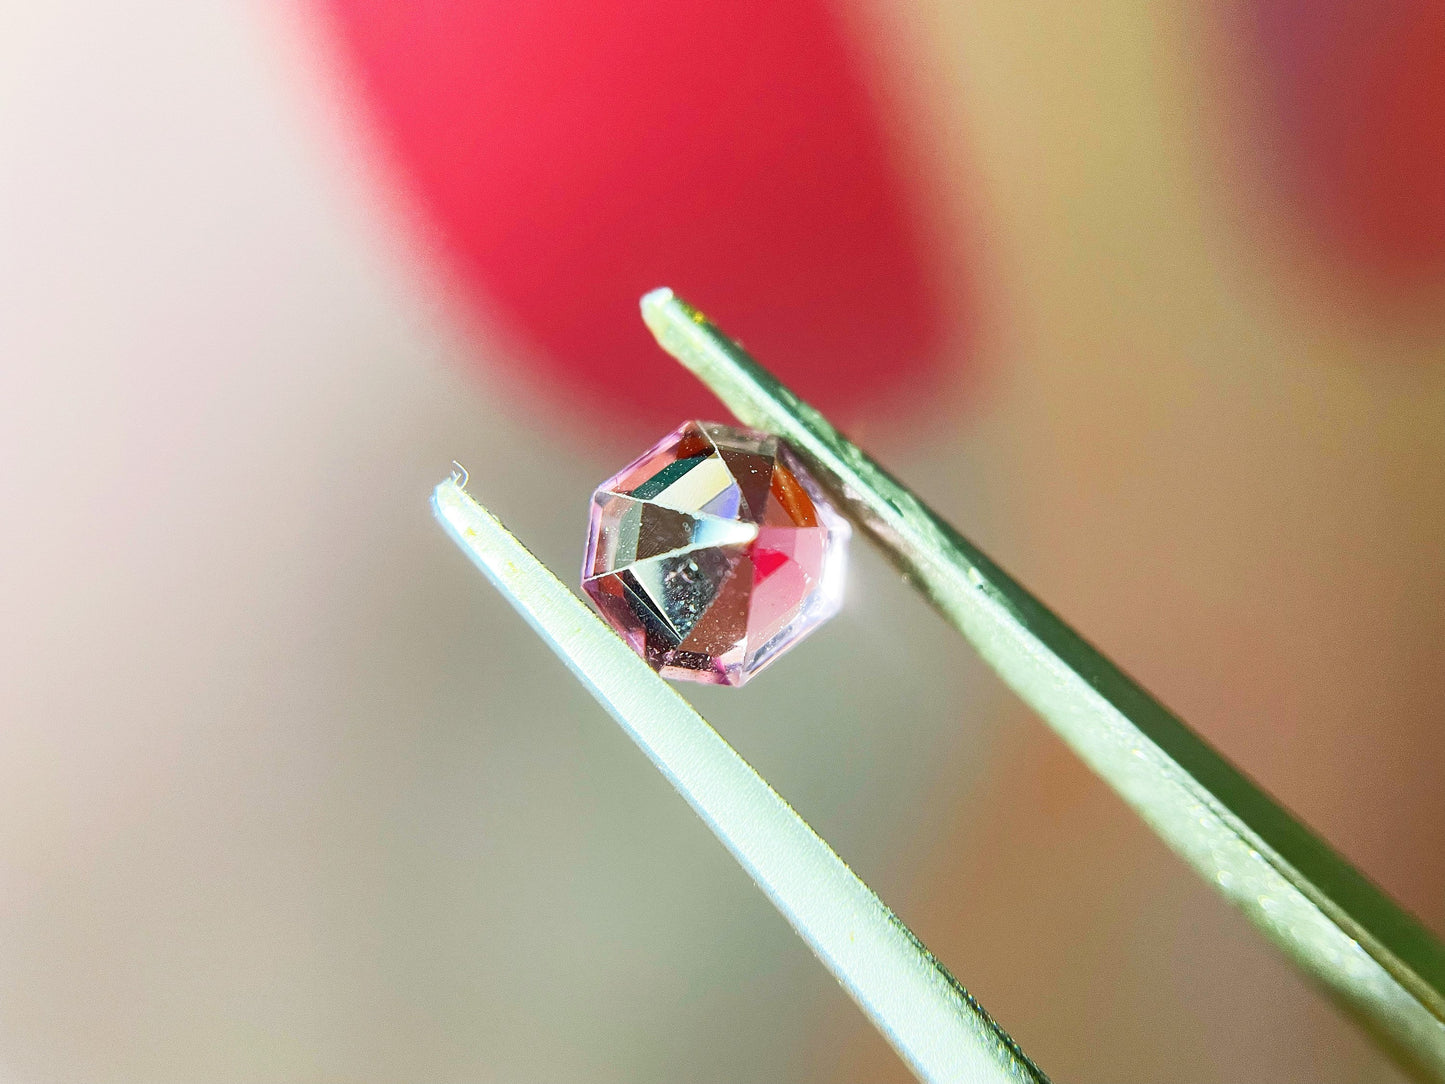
pixel 714 552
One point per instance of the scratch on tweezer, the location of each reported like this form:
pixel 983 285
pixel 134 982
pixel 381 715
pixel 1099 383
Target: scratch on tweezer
pixel 934 1024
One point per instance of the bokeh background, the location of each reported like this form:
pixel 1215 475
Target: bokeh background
pixel 1148 297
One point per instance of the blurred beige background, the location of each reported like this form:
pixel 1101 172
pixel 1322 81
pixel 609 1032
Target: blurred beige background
pixel 287 793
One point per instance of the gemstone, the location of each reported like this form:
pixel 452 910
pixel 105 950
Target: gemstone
pixel 714 552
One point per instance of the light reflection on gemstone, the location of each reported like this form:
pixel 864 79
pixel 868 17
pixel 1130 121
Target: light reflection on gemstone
pixel 714 552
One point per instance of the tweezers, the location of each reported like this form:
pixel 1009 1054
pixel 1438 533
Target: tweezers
pixel 1369 954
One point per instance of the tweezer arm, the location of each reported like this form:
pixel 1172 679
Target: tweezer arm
pixel 1335 924
pixel 940 1031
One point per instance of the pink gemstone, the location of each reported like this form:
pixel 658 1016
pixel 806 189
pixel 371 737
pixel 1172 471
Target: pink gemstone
pixel 714 552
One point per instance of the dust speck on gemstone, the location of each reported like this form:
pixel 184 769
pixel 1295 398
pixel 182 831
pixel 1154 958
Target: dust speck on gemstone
pixel 714 552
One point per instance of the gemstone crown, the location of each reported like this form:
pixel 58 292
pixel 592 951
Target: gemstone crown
pixel 714 552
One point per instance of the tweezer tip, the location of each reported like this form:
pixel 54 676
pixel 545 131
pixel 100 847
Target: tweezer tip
pixel 654 300
pixel 659 310
pixel 674 324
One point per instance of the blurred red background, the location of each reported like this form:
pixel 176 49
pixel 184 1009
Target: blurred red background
pixel 1357 97
pixel 574 155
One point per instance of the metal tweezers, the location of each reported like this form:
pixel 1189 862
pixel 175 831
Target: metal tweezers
pixel 1373 957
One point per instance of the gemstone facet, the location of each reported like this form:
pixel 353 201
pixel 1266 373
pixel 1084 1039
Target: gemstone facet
pixel 714 552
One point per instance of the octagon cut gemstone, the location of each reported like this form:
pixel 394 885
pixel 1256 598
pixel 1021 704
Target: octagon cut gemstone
pixel 714 553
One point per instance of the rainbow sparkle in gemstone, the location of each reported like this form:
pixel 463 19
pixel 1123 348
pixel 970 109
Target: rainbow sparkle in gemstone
pixel 714 553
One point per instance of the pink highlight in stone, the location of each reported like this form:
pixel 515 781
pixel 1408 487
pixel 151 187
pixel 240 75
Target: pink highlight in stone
pixel 714 552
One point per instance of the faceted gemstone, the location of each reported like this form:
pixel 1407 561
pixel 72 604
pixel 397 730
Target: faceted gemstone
pixel 714 552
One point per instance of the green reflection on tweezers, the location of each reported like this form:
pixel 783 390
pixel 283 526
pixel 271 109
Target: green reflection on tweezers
pixel 1335 924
